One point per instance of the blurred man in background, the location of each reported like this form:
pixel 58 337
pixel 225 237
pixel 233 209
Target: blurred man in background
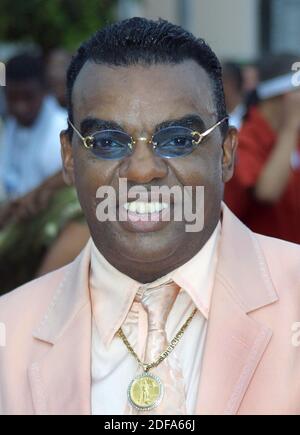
pixel 233 90
pixel 41 223
pixel 57 63
pixel 250 74
pixel 265 189
pixel 31 150
pixel 2 103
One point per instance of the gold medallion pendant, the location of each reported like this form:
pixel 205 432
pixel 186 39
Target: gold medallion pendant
pixel 145 392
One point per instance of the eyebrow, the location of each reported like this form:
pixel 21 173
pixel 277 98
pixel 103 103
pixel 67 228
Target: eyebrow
pixel 192 121
pixel 93 124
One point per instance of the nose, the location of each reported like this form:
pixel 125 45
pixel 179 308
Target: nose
pixel 143 165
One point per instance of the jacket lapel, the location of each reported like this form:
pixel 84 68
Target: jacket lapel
pixel 60 378
pixel 235 342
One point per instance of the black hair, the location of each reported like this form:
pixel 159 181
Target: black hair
pixel 233 70
pixel 25 66
pixel 146 42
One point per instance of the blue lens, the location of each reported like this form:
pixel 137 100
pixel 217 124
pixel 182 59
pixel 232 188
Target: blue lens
pixel 111 144
pixel 174 142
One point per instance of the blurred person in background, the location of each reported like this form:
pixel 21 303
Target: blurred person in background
pixel 2 103
pixel 233 90
pixel 56 66
pixel 2 114
pixel 2 193
pixel 31 151
pixel 265 189
pixel 250 74
pixel 42 227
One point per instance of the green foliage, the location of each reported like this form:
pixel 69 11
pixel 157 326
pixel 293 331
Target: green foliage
pixel 53 23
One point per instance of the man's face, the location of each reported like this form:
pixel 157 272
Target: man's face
pixel 24 100
pixel 140 100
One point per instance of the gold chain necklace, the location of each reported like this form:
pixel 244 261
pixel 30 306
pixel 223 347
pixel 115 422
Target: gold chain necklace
pixel 145 391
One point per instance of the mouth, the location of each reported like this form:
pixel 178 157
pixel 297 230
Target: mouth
pixel 144 216
pixel 142 207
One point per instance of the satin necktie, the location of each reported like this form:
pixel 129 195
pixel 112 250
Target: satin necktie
pixel 157 302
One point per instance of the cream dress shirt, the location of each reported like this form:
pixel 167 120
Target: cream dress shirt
pixel 113 306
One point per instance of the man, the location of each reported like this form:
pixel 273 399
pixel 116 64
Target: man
pixel 58 61
pixel 233 90
pixel 203 319
pixel 265 189
pixel 31 151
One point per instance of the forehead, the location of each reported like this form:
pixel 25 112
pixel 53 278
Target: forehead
pixel 142 96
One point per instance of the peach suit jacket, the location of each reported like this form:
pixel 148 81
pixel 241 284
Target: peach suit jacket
pixel 251 362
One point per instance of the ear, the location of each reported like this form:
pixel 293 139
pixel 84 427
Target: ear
pixel 229 149
pixel 67 158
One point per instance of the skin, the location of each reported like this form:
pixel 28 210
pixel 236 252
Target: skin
pixel 24 100
pixel 57 64
pixel 122 95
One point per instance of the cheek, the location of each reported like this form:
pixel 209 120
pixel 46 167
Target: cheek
pixel 200 170
pixel 90 174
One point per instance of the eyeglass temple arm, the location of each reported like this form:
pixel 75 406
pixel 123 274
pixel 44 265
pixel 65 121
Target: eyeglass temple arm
pixel 213 127
pixel 75 129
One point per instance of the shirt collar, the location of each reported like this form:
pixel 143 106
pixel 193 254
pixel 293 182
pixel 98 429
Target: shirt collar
pixel 112 292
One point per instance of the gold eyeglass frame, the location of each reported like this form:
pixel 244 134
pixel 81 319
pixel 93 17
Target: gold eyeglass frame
pixel 87 141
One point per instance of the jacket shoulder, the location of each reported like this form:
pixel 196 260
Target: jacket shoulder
pixel 283 260
pixel 32 298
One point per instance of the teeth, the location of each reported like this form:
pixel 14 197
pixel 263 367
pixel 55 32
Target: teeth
pixel 152 207
pixel 145 207
pixel 158 207
pixel 141 207
pixel 132 207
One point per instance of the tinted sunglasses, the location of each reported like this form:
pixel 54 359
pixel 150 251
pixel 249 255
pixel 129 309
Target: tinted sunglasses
pixel 169 142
